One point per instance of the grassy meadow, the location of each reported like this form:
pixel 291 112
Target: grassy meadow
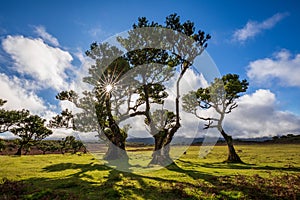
pixel 271 172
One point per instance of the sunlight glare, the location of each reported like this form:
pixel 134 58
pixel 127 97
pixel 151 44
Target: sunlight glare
pixel 108 88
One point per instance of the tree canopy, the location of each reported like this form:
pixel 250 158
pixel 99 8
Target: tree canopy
pixel 133 83
pixel 178 45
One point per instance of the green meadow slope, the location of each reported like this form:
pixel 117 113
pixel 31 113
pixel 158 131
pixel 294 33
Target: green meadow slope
pixel 271 172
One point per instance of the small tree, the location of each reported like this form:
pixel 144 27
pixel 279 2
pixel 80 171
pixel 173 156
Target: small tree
pixel 76 145
pixel 221 96
pixel 2 145
pixel 44 146
pixel 30 129
pixel 71 143
pixel 65 119
pixel 9 118
pixel 48 145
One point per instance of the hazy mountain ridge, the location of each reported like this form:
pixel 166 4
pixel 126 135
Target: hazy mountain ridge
pixel 199 140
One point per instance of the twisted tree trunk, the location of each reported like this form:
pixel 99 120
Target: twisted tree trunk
pixel 233 157
pixel 160 155
pixel 116 147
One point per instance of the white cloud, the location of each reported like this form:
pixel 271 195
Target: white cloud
pixel 283 67
pixel 33 57
pixel 252 28
pixel 77 84
pixel 258 116
pixel 41 31
pixel 19 96
pixel 13 90
pixel 60 133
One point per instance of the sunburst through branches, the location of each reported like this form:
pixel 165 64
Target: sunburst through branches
pixel 109 88
pixel 108 84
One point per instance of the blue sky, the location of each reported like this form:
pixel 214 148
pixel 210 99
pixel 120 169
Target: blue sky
pixel 259 40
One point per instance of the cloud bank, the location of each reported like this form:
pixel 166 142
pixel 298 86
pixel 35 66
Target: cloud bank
pixel 283 67
pixel 257 115
pixel 45 64
pixel 14 90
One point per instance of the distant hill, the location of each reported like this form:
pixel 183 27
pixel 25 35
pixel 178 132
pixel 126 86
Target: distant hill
pixel 135 141
pixel 286 139
pixel 140 141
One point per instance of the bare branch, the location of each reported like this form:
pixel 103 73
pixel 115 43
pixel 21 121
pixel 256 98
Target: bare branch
pixel 209 125
pixel 205 118
pixel 233 106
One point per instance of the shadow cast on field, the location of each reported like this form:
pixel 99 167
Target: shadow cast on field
pixel 114 185
pixel 256 187
pixel 98 181
pixel 224 165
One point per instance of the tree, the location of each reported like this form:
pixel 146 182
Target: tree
pixel 65 119
pixel 221 96
pixel 103 101
pixel 2 145
pixel 175 52
pixel 30 129
pixel 179 48
pixel 70 143
pixel 9 118
pixel 76 145
pixel 48 145
pixel 44 146
pixel 104 77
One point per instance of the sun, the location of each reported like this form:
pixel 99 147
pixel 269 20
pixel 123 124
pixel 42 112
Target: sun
pixel 108 88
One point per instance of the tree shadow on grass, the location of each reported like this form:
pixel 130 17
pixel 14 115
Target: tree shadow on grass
pixel 98 181
pixel 253 187
pixel 224 165
pixel 112 184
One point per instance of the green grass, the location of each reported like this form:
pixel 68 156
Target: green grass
pixel 271 172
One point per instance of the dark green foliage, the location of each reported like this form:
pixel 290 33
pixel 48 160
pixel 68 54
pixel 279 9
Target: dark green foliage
pixel 48 146
pixel 67 95
pixel 8 118
pixel 220 95
pixel 70 143
pixel 30 129
pixel 65 119
pixel 150 63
